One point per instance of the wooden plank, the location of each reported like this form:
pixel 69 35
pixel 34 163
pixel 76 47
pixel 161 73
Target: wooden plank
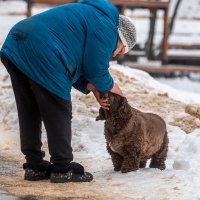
pixel 141 4
pixel 183 46
pixel 183 60
pixel 125 3
pixel 54 2
pixel 168 69
pixel 180 58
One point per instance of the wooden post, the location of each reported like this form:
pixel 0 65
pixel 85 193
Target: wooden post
pixel 165 37
pixel 174 16
pixel 149 43
pixel 121 9
pixel 29 6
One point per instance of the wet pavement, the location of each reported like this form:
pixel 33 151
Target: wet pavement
pixel 8 167
pixel 6 196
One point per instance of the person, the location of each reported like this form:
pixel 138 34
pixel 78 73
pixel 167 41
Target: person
pixel 48 54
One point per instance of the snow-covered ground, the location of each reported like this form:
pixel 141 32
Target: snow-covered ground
pixel 183 83
pixel 180 180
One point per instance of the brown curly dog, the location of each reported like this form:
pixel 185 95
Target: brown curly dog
pixel 132 136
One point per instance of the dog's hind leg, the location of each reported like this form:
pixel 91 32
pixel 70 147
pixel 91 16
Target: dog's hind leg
pixel 158 159
pixel 143 163
pixel 116 159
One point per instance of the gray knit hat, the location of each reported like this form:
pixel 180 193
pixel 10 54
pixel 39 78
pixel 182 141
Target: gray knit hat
pixel 127 32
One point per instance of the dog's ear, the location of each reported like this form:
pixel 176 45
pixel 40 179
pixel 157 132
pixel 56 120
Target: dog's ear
pixel 101 115
pixel 124 110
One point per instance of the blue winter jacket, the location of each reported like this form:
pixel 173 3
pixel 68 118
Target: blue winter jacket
pixel 69 45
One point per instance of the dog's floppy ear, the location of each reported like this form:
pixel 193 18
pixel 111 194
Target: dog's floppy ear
pixel 124 110
pixel 101 115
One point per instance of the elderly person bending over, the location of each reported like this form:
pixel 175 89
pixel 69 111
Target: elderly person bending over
pixel 47 54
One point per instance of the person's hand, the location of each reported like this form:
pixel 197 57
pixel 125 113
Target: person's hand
pixel 103 102
pixel 116 89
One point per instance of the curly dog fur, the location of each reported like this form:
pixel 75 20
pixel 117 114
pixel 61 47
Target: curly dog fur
pixel 132 136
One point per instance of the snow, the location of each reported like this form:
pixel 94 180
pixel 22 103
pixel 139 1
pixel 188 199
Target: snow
pixel 180 180
pixel 183 83
pixel 148 80
pixel 188 10
pixel 183 53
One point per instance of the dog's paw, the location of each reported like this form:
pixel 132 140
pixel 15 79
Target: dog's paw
pixel 157 165
pixel 162 167
pixel 117 169
pixel 125 170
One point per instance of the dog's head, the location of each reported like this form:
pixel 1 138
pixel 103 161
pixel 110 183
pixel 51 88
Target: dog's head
pixel 118 107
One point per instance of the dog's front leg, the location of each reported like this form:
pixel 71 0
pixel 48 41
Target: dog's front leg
pixel 131 160
pixel 116 159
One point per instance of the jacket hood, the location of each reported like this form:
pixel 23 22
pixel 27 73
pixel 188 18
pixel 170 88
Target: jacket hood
pixel 106 7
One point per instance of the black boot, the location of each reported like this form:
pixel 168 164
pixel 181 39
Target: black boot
pixel 37 171
pixel 73 172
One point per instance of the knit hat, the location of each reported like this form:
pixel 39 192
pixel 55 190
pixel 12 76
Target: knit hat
pixel 127 32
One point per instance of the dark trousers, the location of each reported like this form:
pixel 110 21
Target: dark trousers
pixel 36 104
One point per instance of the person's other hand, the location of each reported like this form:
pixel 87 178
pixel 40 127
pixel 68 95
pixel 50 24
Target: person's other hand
pixel 116 89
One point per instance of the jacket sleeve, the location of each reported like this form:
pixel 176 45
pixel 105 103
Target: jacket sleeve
pixel 101 41
pixel 81 85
